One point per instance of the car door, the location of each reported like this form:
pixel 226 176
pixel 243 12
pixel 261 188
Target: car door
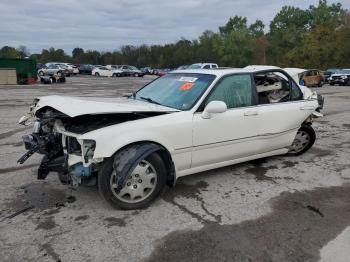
pixel 281 112
pixel 229 135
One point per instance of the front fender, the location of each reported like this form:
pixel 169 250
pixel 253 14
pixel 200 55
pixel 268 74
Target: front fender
pixel 109 140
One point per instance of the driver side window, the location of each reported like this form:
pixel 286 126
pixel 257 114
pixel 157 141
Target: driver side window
pixel 234 90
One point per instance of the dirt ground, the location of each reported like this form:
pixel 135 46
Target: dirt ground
pixel 280 208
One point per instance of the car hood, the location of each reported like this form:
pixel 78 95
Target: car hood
pixel 76 106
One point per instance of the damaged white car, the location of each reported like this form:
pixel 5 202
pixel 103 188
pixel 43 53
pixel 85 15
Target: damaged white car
pixel 183 123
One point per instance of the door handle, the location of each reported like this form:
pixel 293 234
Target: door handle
pixel 251 113
pixel 307 108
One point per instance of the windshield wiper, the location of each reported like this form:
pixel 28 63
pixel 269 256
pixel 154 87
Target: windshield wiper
pixel 148 99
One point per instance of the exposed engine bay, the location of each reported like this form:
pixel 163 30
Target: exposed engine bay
pixel 55 136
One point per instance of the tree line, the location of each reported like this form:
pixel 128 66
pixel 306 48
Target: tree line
pixel 316 37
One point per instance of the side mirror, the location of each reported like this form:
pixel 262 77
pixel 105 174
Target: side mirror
pixel 214 107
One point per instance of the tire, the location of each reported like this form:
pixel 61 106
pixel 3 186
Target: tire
pixel 114 75
pixel 136 74
pixel 119 164
pixel 303 141
pixel 41 73
pixel 59 73
pixel 119 75
pixel 97 74
pixel 332 84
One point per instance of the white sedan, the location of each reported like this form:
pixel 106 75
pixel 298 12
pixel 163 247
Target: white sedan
pixel 104 71
pixel 186 122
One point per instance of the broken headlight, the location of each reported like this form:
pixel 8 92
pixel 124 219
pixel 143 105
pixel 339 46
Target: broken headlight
pixel 88 148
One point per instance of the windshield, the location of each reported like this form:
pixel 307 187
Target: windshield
pixel 180 91
pixel 194 66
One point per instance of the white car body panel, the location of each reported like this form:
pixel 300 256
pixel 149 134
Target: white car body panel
pixel 195 144
pixel 75 106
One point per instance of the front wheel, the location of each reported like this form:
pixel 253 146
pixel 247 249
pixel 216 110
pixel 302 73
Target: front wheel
pixel 303 141
pixel 143 184
pixel 97 74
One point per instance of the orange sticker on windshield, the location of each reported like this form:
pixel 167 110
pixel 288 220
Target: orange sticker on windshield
pixel 186 86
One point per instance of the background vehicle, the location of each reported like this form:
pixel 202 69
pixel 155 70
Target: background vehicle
pixel 341 77
pixel 51 69
pixel 203 66
pixel 147 70
pixel 180 124
pixel 182 67
pixel 101 71
pixel 85 69
pixel 328 73
pixel 131 71
pixel 68 69
pixel 162 72
pixel 72 68
pixel 313 77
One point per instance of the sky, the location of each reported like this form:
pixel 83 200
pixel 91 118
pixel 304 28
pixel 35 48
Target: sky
pixel 106 25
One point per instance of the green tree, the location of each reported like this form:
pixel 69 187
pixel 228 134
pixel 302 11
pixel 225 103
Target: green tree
pixel 9 52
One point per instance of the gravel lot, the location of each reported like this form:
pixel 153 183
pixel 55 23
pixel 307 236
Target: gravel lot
pixel 276 209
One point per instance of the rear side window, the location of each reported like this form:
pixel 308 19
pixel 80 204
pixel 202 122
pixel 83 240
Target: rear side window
pixel 234 90
pixel 276 87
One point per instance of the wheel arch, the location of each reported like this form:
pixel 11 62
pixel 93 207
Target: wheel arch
pixel 164 154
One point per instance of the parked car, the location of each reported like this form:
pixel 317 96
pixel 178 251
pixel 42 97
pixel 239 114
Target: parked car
pixel 68 69
pixel 147 70
pixel 203 66
pixel 131 71
pixel 327 74
pixel 179 124
pixel 182 67
pixel 39 66
pixel 52 69
pixel 162 72
pixel 86 69
pixel 72 68
pixel 104 71
pixel 313 77
pixel 341 77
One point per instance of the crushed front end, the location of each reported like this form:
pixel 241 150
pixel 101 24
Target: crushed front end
pixel 63 153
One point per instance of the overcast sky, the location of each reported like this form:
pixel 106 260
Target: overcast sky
pixel 106 25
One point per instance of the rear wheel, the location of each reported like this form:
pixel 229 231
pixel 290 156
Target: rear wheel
pixel 97 74
pixel 142 185
pixel 303 140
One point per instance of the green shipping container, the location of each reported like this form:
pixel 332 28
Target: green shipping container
pixel 25 68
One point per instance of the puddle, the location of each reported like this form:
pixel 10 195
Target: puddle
pixel 16 168
pixel 41 196
pixel 300 224
pixel 320 152
pixel 173 196
pixel 81 218
pixel 114 221
pixel 12 132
